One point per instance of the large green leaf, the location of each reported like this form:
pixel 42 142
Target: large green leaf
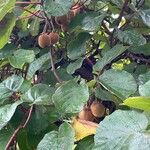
pixel 40 94
pixel 85 144
pixel 37 64
pixel 145 15
pixel 76 48
pixel 58 140
pixel 20 57
pixel 57 7
pixel 143 78
pixel 5 135
pixel 88 21
pixel 70 97
pixel 138 102
pixel 144 89
pixel 119 82
pixel 109 56
pixel 123 130
pixel 6 113
pixel 131 37
pixel 35 26
pixel 5 7
pixel 6 26
pixel 10 85
pixel 74 66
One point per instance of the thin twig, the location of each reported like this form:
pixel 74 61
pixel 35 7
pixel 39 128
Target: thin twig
pixel 33 13
pixel 53 66
pixel 22 126
pixel 73 8
pixel 118 20
pixel 36 3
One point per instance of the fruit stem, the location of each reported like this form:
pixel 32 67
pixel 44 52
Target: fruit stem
pixel 53 66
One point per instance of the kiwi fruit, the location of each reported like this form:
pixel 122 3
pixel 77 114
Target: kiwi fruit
pixel 86 114
pixel 97 109
pixel 54 37
pixel 61 20
pixel 44 40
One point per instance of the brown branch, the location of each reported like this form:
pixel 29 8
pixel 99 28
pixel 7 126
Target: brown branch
pixel 33 13
pixel 118 21
pixel 36 3
pixel 29 16
pixel 53 66
pixel 22 126
pixel 73 8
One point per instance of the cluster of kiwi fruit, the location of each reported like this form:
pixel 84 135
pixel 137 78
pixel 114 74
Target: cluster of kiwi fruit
pixel 95 110
pixel 64 20
pixel 47 39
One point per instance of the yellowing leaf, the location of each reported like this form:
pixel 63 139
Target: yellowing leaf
pixel 83 128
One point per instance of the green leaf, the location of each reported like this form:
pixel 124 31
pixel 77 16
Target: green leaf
pixel 131 37
pixel 70 97
pixel 123 130
pixel 36 65
pixel 138 102
pixel 72 67
pixel 58 140
pixel 145 15
pixel 6 113
pixel 6 25
pixel 86 144
pixel 6 6
pixel 144 89
pixel 119 82
pixel 10 85
pixel 76 48
pixel 57 7
pixel 109 56
pixel 40 94
pixel 5 135
pixel 88 21
pixel 34 26
pixel 143 78
pixel 20 57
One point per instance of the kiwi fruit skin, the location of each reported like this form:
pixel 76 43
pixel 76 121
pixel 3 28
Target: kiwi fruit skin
pixel 97 109
pixel 44 40
pixel 54 37
pixel 61 20
pixel 86 114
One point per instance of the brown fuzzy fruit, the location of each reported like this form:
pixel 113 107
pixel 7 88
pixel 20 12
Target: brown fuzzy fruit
pixel 64 28
pixel 86 114
pixel 54 37
pixel 61 20
pixel 97 109
pixel 44 40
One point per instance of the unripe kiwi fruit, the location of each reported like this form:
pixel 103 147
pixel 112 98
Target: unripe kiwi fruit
pixel 44 40
pixel 61 19
pixel 86 114
pixel 97 109
pixel 54 37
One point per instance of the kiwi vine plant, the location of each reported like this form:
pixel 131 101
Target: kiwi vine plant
pixel 74 74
